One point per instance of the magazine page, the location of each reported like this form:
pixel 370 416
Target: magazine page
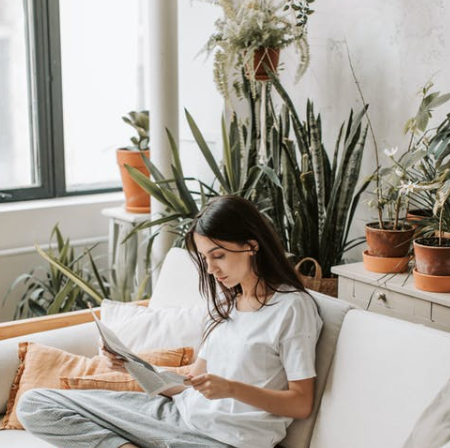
pixel 151 379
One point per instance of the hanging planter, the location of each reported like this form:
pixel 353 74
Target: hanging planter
pixel 387 243
pixel 263 57
pixel 136 199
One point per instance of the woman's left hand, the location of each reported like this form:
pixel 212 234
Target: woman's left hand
pixel 211 386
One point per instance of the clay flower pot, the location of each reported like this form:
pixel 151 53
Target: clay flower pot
pixel 432 259
pixel 431 283
pixel 136 199
pixel 385 265
pixel 414 217
pixel 264 56
pixel 387 242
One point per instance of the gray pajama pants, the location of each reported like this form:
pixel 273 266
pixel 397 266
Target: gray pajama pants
pixel 105 419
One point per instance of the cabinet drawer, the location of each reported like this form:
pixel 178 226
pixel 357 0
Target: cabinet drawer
pixel 440 315
pixel 384 301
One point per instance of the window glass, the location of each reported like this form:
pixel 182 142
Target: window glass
pixel 104 49
pixel 17 151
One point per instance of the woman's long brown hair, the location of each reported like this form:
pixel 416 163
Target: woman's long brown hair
pixel 234 219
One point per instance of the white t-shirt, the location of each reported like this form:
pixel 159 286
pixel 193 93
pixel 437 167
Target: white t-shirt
pixel 266 348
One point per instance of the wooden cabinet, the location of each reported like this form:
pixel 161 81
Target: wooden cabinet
pixel 392 295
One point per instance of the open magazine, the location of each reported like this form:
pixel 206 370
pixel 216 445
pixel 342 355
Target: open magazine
pixel 149 377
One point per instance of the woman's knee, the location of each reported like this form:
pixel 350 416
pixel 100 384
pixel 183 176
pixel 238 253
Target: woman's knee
pixel 29 403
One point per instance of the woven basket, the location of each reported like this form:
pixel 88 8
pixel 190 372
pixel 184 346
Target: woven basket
pixel 327 286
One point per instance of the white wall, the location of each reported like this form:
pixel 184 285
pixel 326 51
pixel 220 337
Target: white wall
pixel 396 47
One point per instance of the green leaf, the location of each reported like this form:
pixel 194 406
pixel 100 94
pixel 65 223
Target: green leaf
pixel 206 152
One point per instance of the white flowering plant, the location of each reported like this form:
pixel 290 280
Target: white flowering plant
pixel 418 178
pixel 254 25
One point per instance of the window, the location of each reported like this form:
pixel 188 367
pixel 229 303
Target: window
pixel 69 70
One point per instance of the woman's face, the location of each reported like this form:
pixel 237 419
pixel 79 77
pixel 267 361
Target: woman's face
pixel 228 267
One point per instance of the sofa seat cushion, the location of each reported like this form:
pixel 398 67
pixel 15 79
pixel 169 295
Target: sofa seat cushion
pixel 21 439
pixel 384 374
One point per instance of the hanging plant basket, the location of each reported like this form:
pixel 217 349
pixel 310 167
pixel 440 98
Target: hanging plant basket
pixel 262 57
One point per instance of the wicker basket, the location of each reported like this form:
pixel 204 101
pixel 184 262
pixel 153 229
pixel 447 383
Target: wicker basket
pixel 327 286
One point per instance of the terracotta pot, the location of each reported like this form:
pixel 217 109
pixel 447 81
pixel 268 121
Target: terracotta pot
pixel 267 56
pixel 432 259
pixel 136 199
pixel 431 283
pixel 385 265
pixel 414 217
pixel 388 243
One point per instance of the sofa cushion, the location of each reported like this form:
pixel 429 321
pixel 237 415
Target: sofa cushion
pixel 141 328
pixel 433 428
pixel 42 366
pixel 385 372
pixel 111 380
pixel 79 339
pixel 333 313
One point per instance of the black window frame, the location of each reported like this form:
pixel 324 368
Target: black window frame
pixel 46 42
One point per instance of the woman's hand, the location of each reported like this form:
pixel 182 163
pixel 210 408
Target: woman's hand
pixel 211 386
pixel 114 362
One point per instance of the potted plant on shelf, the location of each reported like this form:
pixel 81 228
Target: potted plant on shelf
pixel 137 200
pixel 432 252
pixel 251 35
pixel 400 186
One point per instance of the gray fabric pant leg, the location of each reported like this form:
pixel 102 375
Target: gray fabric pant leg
pixel 105 419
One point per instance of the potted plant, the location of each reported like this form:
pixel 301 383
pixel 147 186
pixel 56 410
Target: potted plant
pixel 251 35
pixel 432 252
pixel 398 187
pixel 137 200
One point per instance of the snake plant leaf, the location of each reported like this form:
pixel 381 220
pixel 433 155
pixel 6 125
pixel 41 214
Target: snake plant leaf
pixel 318 166
pixel 229 168
pixel 206 152
pixel 71 275
pixel 297 126
pixel 336 155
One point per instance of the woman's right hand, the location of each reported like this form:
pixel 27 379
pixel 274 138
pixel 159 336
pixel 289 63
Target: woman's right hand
pixel 114 362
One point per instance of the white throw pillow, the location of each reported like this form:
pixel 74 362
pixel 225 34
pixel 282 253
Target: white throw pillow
pixel 141 328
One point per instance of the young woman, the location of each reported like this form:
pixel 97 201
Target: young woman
pixel 255 370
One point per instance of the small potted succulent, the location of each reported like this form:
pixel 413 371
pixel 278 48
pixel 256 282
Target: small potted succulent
pixel 137 200
pixel 252 34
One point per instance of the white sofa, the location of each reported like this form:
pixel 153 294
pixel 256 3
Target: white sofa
pixel 376 374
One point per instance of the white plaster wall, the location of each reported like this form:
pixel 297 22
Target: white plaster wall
pixel 396 47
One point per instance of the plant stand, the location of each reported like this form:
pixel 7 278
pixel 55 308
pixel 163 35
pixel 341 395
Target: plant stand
pixel 118 219
pixel 392 295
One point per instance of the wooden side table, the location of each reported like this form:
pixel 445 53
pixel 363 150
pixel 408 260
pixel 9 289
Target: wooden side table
pixel 393 295
pixel 121 223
